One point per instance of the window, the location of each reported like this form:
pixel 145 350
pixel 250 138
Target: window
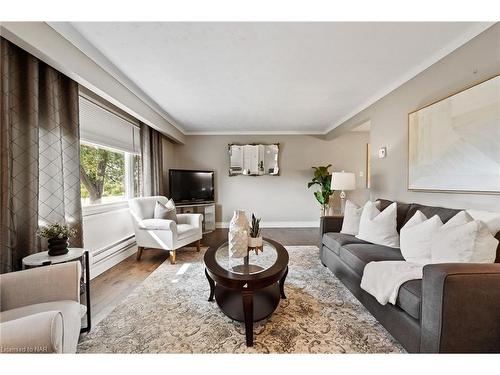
pixel 107 176
pixel 110 163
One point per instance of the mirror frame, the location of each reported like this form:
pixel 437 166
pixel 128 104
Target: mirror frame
pixel 254 144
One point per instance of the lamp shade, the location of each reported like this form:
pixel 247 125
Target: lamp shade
pixel 343 181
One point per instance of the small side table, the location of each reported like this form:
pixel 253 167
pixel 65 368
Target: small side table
pixel 74 253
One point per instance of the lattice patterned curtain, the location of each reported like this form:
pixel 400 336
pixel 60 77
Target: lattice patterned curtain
pixel 152 162
pixel 39 177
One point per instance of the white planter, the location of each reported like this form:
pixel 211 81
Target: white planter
pixel 238 235
pixel 255 241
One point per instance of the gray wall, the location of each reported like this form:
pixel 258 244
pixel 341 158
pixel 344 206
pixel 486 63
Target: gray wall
pixel 474 62
pixel 277 199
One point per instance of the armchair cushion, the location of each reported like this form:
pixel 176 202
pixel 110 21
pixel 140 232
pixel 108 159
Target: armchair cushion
pixel 158 224
pixel 37 333
pixel 70 311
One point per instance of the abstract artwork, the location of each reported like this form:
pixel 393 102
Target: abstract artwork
pixel 454 144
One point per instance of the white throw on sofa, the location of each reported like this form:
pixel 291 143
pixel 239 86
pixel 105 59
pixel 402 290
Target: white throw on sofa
pixel 40 309
pixel 161 233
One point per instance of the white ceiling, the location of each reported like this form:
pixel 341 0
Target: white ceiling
pixel 270 77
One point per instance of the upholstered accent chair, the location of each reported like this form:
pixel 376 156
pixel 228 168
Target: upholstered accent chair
pixel 160 233
pixel 40 309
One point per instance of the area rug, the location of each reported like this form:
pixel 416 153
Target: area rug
pixel 169 313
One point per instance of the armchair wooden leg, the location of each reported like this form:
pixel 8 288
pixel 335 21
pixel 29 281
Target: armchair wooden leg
pixel 172 256
pixel 198 245
pixel 139 252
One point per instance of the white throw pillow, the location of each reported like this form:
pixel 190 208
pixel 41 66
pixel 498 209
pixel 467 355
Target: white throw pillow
pixel 459 219
pixel 165 211
pixel 352 216
pixel 379 227
pixel 491 219
pixel 416 237
pixel 470 242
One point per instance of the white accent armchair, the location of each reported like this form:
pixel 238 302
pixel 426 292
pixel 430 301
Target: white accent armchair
pixel 160 233
pixel 40 309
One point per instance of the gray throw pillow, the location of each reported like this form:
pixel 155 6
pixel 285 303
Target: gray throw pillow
pixel 165 211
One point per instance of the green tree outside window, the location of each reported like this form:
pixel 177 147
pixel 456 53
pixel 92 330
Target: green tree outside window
pixel 102 173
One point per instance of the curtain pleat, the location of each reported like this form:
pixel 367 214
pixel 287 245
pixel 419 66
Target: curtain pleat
pixel 40 182
pixel 152 162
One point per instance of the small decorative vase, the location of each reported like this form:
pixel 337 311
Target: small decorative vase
pixel 255 241
pixel 58 246
pixel 238 235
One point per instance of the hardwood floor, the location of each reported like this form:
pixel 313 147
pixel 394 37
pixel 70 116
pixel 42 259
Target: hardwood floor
pixel 112 286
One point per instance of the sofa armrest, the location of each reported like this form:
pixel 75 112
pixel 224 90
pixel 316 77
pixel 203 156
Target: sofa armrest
pixel 43 284
pixel 37 333
pixel 330 224
pixel 460 308
pixel 192 219
pixel 158 224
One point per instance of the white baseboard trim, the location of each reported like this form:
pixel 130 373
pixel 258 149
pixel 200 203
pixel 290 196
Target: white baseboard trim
pixel 278 224
pixel 103 259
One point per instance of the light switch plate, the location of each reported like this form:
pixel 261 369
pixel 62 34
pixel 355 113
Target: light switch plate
pixel 382 152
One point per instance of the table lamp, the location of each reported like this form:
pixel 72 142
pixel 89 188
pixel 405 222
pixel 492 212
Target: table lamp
pixel 343 181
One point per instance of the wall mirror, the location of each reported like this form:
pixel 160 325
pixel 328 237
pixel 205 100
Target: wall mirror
pixel 254 159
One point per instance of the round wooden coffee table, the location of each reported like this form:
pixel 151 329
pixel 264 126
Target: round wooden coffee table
pixel 247 289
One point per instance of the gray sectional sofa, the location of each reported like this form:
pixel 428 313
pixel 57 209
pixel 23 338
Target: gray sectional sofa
pixel 454 308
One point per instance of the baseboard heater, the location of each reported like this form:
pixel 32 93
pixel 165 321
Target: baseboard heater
pixel 125 246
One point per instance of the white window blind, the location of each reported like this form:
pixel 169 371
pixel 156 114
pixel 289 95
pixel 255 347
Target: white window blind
pixel 102 127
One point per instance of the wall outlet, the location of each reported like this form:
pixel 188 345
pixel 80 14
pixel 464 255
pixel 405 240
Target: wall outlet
pixel 382 152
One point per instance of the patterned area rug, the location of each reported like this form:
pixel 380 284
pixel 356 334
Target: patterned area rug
pixel 169 313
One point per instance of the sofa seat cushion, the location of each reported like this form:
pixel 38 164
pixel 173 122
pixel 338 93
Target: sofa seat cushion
pixel 357 256
pixel 410 298
pixel 71 313
pixel 185 231
pixel 335 240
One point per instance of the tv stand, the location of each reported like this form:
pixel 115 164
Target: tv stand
pixel 206 209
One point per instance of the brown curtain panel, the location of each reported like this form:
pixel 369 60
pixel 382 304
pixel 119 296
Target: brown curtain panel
pixel 152 162
pixel 40 180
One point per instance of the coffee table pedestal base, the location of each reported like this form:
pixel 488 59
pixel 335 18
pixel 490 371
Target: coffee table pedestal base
pixel 248 306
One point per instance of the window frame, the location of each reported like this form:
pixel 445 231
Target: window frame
pixel 99 208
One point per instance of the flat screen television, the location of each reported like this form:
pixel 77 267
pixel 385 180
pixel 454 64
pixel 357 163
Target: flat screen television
pixel 189 186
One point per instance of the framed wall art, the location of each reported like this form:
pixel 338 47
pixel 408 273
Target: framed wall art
pixel 454 143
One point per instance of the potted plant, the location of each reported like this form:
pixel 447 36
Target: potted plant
pixel 255 238
pixel 323 178
pixel 57 236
